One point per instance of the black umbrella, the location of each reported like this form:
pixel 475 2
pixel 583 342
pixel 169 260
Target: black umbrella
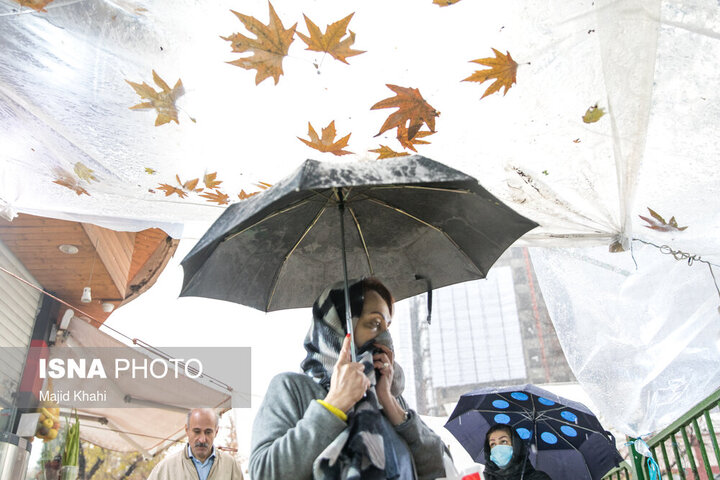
pixel 401 219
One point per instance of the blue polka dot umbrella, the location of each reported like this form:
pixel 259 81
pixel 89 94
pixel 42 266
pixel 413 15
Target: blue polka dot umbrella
pixel 565 439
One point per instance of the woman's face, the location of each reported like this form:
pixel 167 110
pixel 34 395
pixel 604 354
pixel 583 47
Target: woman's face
pixel 499 437
pixel 374 319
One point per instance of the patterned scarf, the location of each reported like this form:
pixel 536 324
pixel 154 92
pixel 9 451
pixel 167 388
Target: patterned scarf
pixel 364 450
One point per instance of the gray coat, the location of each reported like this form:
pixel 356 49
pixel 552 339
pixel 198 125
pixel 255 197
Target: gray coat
pixel 291 429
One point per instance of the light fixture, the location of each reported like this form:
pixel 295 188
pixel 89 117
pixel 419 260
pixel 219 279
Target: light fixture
pixel 86 295
pixel 67 316
pixel 108 307
pixel 69 249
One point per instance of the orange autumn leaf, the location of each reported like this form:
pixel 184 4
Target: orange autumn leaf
pixel 268 49
pixel 264 185
pixel 331 42
pixel 67 180
pixel 169 190
pixel 387 152
pixel 217 196
pixel 326 143
pixel 244 195
pixel 409 143
pixel 209 180
pixel 162 101
pixel 445 3
pixel 37 5
pixel 189 185
pixel 502 68
pixel 658 223
pixel 413 111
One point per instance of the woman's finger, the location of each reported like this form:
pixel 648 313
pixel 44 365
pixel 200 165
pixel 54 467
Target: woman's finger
pixel 386 349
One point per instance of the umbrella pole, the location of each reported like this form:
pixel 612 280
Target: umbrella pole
pixel 348 314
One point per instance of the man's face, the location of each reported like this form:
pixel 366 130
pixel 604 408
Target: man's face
pixel 201 433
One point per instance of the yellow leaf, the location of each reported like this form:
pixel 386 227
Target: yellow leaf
pixel 593 114
pixel 445 3
pixel 502 68
pixel 217 196
pixel 150 171
pixel 387 152
pixel 84 172
pixel 331 42
pixel 413 111
pixel 162 101
pixel 326 143
pixel 406 142
pixel 268 49
pixel 209 180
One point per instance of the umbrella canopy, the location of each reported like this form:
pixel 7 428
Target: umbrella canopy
pixel 568 440
pixel 405 217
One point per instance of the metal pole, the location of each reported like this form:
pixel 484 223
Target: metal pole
pixel 348 314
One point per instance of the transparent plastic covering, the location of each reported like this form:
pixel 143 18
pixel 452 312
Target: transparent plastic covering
pixel 651 65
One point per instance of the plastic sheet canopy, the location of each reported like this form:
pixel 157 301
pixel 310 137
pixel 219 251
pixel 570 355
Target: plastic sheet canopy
pixel 71 147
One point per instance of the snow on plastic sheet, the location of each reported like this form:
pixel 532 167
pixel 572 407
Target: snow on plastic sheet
pixel 643 342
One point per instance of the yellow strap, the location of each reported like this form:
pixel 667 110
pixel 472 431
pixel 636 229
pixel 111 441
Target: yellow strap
pixel 335 411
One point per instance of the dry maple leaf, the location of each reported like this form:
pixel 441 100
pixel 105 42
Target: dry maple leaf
pixel 331 42
pixel 169 190
pixel 67 180
pixel 502 68
pixel 150 171
pixel 209 180
pixel 593 114
pixel 189 185
pixel 445 3
pixel 162 101
pixel 37 5
pixel 217 196
pixel 244 196
pixel 84 172
pixel 413 111
pixel 263 185
pixel 326 144
pixel 387 152
pixel 659 223
pixel 402 136
pixel 268 49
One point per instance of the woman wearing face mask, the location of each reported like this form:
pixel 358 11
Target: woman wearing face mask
pixel 506 456
pixel 342 419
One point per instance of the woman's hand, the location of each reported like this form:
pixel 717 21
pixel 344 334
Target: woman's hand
pixel 384 363
pixel 348 383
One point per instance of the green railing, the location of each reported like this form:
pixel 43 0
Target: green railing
pixel 621 472
pixel 687 449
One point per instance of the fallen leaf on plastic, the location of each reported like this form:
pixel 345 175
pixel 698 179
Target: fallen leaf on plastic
pixel 577 140
pixel 264 185
pixel 326 143
pixel 243 195
pixel 37 5
pixel 658 223
pixel 209 180
pixel 84 172
pixel 170 190
pixel 268 49
pixel 387 152
pixel 413 111
pixel 217 197
pixel 409 143
pixel 189 185
pixel 502 68
pixel 150 171
pixel 331 42
pixel 67 180
pixel 162 101
pixel 593 114
pixel 445 3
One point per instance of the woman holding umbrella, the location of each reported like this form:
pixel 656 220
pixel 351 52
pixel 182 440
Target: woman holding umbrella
pixel 508 456
pixel 344 419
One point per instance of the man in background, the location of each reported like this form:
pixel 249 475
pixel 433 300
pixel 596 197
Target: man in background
pixel 199 458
